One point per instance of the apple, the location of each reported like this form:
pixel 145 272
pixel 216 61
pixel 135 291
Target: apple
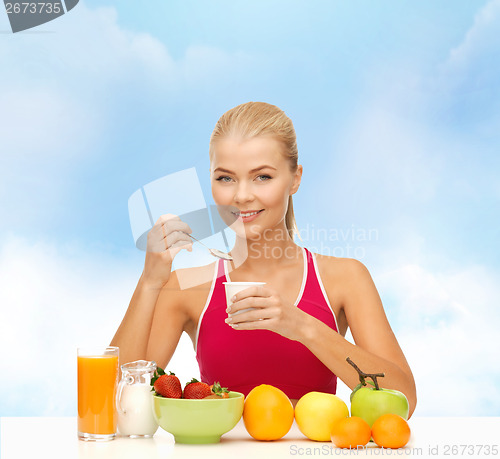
pixel 370 403
pixel 317 412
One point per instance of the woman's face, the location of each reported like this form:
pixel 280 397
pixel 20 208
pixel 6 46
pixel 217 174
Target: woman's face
pixel 251 182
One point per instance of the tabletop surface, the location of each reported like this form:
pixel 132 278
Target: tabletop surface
pixel 34 437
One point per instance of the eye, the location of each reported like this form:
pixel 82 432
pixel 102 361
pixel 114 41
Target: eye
pixel 223 178
pixel 264 177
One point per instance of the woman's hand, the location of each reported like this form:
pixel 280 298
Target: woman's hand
pixel 271 312
pixel 165 240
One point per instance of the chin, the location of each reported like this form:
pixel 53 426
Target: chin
pixel 253 233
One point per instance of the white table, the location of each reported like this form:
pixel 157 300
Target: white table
pixel 38 437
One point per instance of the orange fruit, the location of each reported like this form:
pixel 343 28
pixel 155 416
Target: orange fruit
pixel 267 413
pixel 351 432
pixel 391 431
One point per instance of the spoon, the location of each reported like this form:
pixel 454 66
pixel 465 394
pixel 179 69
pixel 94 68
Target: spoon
pixel 215 252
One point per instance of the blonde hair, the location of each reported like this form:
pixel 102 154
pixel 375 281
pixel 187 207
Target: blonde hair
pixel 254 119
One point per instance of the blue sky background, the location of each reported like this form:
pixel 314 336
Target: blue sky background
pixel 397 111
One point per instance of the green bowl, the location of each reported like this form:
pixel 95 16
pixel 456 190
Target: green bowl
pixel 198 421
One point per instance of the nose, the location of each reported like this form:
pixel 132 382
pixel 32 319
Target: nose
pixel 243 192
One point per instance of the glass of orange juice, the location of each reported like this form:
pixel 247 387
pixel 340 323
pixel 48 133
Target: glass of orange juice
pixel 97 382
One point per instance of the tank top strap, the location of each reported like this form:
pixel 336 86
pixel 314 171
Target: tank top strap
pixel 221 272
pixel 215 295
pixel 312 284
pixel 315 287
pixel 312 275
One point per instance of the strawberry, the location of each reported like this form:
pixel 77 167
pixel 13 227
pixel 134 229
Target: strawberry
pixel 166 385
pixel 218 391
pixel 196 389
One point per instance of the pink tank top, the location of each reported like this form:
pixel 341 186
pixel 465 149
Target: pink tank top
pixel 243 359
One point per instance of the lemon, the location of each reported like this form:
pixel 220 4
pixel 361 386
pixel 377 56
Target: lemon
pixel 317 412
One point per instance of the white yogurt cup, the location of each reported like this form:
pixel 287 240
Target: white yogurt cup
pixel 232 288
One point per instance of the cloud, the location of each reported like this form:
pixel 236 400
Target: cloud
pixel 207 67
pixel 480 44
pixel 39 124
pixel 388 155
pixel 94 80
pixel 69 98
pixel 467 82
pixel 55 299
pixel 404 175
pixel 63 111
pixel 418 162
pixel 447 325
pixel 419 153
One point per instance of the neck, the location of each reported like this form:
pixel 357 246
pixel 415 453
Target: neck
pixel 265 252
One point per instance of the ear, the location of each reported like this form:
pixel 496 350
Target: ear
pixel 296 180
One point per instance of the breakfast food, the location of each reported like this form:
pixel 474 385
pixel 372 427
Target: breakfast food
pixel 267 413
pixel 135 417
pixel 96 381
pixel 166 385
pixel 196 389
pixel 218 391
pixel 169 386
pixel 198 421
pixel 391 431
pixel 370 401
pixel 316 412
pixel 351 433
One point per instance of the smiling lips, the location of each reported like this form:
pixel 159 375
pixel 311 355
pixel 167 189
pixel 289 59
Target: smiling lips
pixel 247 216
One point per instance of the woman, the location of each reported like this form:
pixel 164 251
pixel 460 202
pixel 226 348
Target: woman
pixel 293 337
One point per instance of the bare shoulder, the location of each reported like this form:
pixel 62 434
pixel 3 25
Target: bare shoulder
pixel 342 275
pixel 349 269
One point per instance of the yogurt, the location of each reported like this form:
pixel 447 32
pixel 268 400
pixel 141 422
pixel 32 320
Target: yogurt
pixel 232 288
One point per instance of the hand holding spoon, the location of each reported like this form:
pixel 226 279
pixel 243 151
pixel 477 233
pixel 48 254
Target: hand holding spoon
pixel 215 252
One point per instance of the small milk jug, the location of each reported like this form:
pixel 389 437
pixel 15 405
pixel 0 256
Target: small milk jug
pixel 134 400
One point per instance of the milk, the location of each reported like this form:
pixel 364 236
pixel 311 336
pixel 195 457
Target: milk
pixel 135 411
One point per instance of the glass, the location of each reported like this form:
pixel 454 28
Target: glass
pixel 97 381
pixel 134 400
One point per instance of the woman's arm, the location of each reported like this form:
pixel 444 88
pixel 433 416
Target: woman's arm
pixel 166 238
pixel 153 324
pixel 376 349
pixel 169 321
pixel 133 333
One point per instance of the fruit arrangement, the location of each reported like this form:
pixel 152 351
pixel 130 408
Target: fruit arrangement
pixel 169 386
pixel 370 403
pixel 377 414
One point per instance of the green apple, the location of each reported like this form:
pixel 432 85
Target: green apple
pixel 370 403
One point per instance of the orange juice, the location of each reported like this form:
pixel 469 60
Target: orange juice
pixel 97 378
